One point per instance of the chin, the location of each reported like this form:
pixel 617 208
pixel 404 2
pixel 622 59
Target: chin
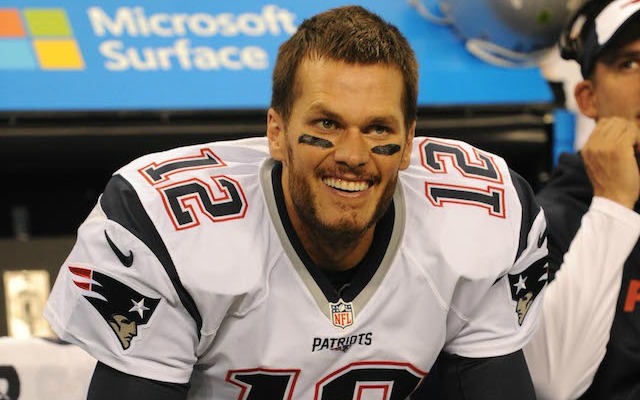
pixel 350 227
pixel 348 219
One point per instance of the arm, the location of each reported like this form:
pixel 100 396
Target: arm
pixel 503 377
pixel 579 306
pixel 108 383
pixel 114 294
pixel 484 360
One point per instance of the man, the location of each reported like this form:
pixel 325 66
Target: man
pixel 305 265
pixel 587 342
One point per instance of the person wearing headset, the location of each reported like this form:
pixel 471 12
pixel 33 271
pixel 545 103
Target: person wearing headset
pixel 587 343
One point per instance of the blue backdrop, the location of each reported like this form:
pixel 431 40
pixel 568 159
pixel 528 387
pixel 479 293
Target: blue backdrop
pixel 169 54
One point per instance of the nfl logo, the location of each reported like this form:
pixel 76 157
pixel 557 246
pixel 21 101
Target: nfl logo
pixel 341 314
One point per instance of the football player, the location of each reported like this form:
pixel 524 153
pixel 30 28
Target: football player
pixel 332 259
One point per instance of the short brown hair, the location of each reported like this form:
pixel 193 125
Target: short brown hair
pixel 351 34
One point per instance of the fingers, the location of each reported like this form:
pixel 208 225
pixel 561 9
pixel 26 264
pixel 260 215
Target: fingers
pixel 613 132
pixel 609 156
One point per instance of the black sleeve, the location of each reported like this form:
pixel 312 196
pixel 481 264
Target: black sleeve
pixel 460 378
pixel 565 198
pixel 108 384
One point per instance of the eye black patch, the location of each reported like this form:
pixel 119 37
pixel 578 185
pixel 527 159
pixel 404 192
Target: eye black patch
pixel 315 141
pixel 386 150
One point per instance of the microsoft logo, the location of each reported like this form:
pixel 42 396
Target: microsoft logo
pixel 37 38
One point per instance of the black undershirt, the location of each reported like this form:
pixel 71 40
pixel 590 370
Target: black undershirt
pixel 337 285
pixel 341 280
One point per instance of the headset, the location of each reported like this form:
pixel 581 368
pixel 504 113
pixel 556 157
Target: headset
pixel 571 42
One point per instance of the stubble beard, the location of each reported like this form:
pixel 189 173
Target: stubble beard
pixel 343 234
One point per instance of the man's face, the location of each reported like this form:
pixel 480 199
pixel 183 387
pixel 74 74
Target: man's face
pixel 615 89
pixel 344 144
pixel 124 328
pixel 523 306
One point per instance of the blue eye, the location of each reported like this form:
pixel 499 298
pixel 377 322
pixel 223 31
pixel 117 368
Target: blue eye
pixel 379 129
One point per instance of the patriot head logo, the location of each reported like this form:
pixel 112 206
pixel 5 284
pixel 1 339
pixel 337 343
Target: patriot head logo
pixel 526 286
pixel 123 308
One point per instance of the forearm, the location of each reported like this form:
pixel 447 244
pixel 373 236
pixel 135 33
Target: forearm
pixel 108 383
pixel 498 378
pixel 579 305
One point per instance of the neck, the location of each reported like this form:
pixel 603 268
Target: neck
pixel 331 253
pixel 328 250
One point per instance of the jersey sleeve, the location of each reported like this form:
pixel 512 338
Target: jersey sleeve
pixel 497 378
pixel 505 315
pixel 579 307
pixel 118 296
pixel 105 378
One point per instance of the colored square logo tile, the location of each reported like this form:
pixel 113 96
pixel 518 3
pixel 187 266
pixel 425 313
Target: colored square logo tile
pixel 58 54
pixel 16 54
pixel 48 22
pixel 10 23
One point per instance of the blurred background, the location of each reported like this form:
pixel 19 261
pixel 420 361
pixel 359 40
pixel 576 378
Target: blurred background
pixel 86 86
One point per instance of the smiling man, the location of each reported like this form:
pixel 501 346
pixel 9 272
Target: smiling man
pixel 333 259
pixel 341 150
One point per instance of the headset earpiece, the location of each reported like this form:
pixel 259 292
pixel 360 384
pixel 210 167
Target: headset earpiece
pixel 570 42
pixel 569 47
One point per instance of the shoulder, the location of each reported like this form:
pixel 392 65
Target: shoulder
pixel 208 173
pixel 160 167
pixel 455 164
pixel 197 205
pixel 455 172
pixel 189 190
pixel 462 196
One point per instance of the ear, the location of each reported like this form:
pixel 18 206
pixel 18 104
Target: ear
pixel 586 98
pixel 275 134
pixel 406 154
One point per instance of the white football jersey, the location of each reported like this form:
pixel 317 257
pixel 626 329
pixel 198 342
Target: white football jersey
pixel 187 270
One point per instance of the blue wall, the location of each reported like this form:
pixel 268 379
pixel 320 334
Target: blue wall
pixel 194 54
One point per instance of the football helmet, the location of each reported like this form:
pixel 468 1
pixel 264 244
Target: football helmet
pixel 509 32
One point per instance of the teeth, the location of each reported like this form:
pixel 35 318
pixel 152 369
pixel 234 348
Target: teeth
pixel 348 186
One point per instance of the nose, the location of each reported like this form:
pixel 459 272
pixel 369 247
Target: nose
pixel 351 148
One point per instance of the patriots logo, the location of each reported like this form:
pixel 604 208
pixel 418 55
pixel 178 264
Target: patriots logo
pixel 526 286
pixel 123 308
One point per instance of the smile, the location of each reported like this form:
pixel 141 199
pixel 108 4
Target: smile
pixel 347 186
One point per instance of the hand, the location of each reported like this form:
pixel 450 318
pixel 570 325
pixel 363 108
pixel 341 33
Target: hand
pixel 610 158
